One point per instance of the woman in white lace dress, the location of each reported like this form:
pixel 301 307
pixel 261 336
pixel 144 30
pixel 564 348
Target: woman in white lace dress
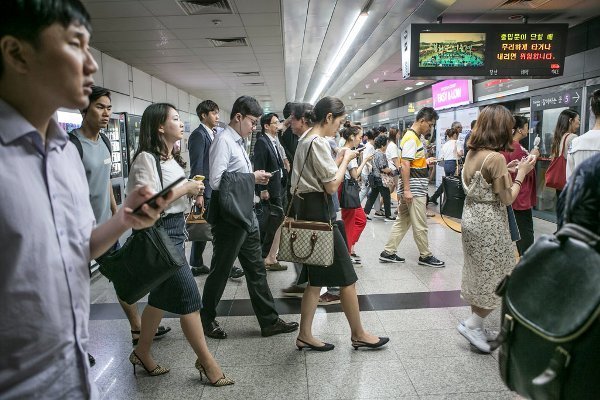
pixel 489 253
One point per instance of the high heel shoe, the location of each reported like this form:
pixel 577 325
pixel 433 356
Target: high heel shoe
pixel 325 347
pixel 135 360
pixel 223 381
pixel 359 343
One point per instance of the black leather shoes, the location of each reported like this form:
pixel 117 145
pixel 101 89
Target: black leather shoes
pixel 280 326
pixel 201 270
pixel 213 330
pixel 236 272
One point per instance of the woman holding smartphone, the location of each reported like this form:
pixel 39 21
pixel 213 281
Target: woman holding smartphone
pixel 315 177
pixel 160 129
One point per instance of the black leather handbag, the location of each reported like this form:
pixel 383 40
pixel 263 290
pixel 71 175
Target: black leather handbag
pixel 349 196
pixel 550 336
pixel 453 198
pixel 146 260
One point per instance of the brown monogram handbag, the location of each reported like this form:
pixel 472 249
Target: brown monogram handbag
pixel 306 242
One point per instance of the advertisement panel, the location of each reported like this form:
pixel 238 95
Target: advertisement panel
pixel 452 93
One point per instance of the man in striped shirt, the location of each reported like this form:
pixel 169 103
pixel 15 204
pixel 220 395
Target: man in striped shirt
pixel 412 193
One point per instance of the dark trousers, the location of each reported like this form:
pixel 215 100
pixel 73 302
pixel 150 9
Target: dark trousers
pixel 273 222
pixel 449 170
pixel 196 259
pixel 231 241
pixel 525 223
pixel 385 193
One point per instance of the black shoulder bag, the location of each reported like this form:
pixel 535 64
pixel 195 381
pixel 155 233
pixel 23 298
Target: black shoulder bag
pixel 146 260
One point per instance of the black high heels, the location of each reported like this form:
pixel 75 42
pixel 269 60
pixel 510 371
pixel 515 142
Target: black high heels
pixel 325 347
pixel 359 343
pixel 135 360
pixel 223 381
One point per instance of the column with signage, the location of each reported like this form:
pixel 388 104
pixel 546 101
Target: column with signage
pixel 544 115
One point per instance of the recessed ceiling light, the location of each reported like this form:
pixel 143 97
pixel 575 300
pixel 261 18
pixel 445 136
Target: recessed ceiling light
pixel 419 83
pixel 359 109
pixel 373 103
pixel 378 101
pixel 408 88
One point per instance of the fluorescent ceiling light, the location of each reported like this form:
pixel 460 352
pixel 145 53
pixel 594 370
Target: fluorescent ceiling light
pixel 373 103
pixel 408 88
pixel 378 101
pixel 358 24
pixel 359 109
pixel 419 83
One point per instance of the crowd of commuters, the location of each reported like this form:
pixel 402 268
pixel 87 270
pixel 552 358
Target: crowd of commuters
pixel 79 219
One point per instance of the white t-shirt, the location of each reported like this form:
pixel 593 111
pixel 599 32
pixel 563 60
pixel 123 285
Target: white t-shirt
pixel 449 150
pixel 367 152
pixel 582 148
pixel 392 152
pixel 143 172
pixel 351 165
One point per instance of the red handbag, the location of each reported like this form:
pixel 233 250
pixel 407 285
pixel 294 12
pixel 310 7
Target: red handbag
pixel 556 174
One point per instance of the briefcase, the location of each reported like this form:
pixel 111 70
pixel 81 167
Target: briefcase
pixel 453 197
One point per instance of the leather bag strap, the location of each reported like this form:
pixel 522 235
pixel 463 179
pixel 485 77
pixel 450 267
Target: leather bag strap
pixel 287 213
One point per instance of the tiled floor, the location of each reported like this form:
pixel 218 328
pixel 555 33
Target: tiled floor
pixel 417 307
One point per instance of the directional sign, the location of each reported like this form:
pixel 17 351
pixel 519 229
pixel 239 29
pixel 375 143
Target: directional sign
pixel 566 98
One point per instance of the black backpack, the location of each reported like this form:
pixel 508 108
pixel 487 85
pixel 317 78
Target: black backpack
pixel 550 336
pixel 75 140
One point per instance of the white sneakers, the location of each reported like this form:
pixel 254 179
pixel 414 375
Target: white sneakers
pixel 478 337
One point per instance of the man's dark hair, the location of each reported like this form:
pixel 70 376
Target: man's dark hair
pixel 372 134
pixel 97 92
pixel 302 110
pixel 595 103
pixel 428 114
pixel 380 141
pixel 266 120
pixel 382 129
pixel 205 107
pixel 287 109
pixel 246 105
pixel 26 19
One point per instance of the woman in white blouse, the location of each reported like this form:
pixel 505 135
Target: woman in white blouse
pixel 449 154
pixel 160 129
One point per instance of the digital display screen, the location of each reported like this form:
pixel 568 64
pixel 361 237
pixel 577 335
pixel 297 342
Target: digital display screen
pixel 442 50
pixel 484 50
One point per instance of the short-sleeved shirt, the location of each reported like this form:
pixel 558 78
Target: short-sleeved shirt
pixel 320 167
pixel 527 197
pixel 411 149
pixel 380 162
pixel 493 169
pixel 143 172
pixel 392 152
pixel 582 148
pixel 46 223
pixel 97 163
pixel 351 165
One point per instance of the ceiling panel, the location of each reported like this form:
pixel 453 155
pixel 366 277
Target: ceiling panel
pixel 257 6
pixel 193 21
pixel 163 7
pixel 209 31
pixel 144 35
pixel 139 45
pixel 264 19
pixel 126 24
pixel 123 9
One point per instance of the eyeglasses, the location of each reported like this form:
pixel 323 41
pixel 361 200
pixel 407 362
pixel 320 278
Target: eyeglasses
pixel 253 121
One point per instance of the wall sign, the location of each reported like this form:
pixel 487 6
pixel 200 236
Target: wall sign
pixel 566 98
pixel 452 93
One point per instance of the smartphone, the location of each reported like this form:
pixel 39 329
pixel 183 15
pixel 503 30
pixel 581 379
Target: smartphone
pixel 360 149
pixel 274 172
pixel 163 193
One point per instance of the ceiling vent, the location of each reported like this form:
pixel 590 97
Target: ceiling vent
pixel 366 94
pixel 243 74
pixel 522 4
pixel 203 7
pixel 389 80
pixel 254 84
pixel 229 42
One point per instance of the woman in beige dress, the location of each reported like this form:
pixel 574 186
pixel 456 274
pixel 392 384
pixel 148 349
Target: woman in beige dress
pixel 489 253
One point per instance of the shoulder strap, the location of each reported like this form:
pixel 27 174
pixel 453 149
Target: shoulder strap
pixel 570 230
pixel 75 140
pixel 106 141
pixel 158 169
pixel 561 149
pixel 484 160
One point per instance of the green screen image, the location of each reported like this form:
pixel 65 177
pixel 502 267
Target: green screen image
pixel 451 50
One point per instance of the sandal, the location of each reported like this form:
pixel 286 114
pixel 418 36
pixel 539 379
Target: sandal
pixel 160 332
